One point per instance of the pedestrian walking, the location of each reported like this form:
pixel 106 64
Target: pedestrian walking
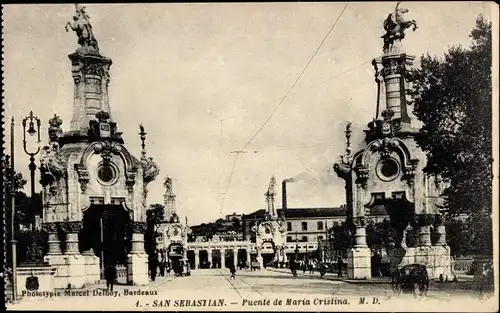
pixel 168 268
pixel 322 270
pixel 232 268
pixel 340 265
pixel 162 264
pixel 153 263
pixel 110 275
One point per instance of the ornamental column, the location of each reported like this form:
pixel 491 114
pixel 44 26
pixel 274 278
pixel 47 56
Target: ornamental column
pixel 209 256
pixel 360 232
pixel 235 257
pixel 53 240
pixel 249 256
pixel 222 258
pixel 359 256
pixel 424 233
pixel 72 230
pixel 137 260
pixel 196 259
pixel 440 230
pixel 75 269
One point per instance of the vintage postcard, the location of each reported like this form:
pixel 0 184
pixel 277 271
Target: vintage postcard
pixel 333 156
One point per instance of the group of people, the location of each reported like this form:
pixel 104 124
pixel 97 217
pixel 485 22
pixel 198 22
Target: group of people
pixel 312 265
pixel 160 265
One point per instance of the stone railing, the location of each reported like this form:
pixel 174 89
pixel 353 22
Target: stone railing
pixel 121 271
pixel 462 265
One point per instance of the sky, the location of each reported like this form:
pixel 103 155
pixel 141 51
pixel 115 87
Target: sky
pixel 180 68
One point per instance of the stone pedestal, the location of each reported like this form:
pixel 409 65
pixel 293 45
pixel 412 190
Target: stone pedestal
pixel 210 260
pixel 437 259
pixel 260 260
pixel 137 269
pixel 400 257
pixel 359 256
pixel 71 271
pixel 137 260
pixel 92 267
pixel 43 276
pixel 222 258
pixel 359 263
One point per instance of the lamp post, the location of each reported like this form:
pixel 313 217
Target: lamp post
pixel 296 247
pixel 13 214
pixel 34 253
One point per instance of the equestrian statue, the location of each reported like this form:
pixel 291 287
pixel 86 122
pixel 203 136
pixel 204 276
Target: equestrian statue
pixel 395 26
pixel 81 26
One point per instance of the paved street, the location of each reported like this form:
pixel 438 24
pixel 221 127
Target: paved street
pixel 255 290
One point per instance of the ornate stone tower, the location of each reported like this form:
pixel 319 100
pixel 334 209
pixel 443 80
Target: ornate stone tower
pixel 271 233
pixel 169 199
pixel 173 234
pixel 94 190
pixel 388 170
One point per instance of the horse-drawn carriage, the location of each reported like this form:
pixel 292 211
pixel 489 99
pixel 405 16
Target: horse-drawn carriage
pixel 411 278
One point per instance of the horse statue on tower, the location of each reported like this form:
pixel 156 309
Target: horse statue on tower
pixel 395 26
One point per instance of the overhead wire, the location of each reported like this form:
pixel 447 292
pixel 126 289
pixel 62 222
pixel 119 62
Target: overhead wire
pixel 279 104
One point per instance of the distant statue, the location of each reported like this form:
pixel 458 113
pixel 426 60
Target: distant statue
pixel 395 26
pixel 168 184
pixel 81 25
pixel 272 185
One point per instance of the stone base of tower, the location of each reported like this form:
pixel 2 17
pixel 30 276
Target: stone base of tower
pixel 92 267
pixel 137 269
pixel 359 263
pixel 71 270
pixel 44 277
pixel 437 259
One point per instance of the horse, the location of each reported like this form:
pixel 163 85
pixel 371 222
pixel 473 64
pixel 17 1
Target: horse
pixel 412 278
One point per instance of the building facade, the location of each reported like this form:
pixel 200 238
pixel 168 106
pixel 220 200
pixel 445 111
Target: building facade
pixel 94 190
pixel 388 170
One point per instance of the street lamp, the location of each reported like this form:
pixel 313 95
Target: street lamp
pixel 13 214
pixel 34 253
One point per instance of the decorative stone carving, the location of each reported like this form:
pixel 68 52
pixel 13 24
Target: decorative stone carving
pixel 49 227
pixel 385 146
pixel 359 221
pixel 55 129
pixel 362 175
pixel 409 172
pixel 52 166
pixel 130 181
pixel 438 220
pixel 425 219
pixel 83 176
pixel 106 149
pixel 138 227
pixel 149 169
pixel 72 227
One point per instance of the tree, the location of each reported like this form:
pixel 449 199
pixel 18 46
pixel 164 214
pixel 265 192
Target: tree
pixel 341 236
pixel 458 237
pixel 154 216
pixel 452 96
pixel 22 206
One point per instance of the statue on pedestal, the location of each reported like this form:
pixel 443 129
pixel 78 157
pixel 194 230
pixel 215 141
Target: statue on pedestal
pixel 395 26
pixel 81 25
pixel 168 184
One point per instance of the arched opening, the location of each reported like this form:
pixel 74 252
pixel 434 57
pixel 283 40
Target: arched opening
pixel 216 259
pixel 204 259
pixel 190 257
pixel 106 231
pixel 242 257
